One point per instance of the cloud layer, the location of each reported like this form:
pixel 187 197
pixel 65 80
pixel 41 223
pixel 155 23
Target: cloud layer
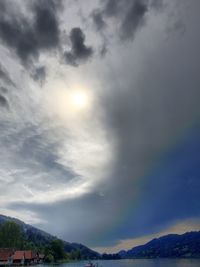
pixel 125 164
pixel 28 36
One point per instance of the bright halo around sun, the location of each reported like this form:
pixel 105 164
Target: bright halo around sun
pixel 69 103
pixel 80 99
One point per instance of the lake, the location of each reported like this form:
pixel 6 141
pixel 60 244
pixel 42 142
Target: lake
pixel 138 263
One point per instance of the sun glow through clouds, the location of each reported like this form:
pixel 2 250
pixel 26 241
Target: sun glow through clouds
pixel 79 99
pixel 68 103
pixel 81 141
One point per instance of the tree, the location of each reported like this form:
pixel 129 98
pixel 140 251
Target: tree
pixel 76 254
pixel 11 235
pixel 49 258
pixel 57 249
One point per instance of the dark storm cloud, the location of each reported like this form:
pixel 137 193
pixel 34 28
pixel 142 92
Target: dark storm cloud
pixel 130 15
pixel 172 193
pixel 79 52
pixel 28 37
pixel 39 74
pixel 46 24
pixel 134 18
pixel 146 115
pixel 2 6
pixel 88 210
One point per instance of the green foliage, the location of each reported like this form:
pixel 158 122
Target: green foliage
pixel 75 254
pixel 49 258
pixel 68 256
pixel 56 249
pixel 11 235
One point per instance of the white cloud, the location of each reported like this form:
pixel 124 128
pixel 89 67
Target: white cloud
pixel 47 155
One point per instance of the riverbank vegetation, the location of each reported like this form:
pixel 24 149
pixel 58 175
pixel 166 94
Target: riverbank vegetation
pixel 13 236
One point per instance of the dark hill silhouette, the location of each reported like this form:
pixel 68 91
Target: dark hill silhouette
pixel 170 246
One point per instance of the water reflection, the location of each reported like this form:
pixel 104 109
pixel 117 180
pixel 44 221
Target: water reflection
pixel 137 263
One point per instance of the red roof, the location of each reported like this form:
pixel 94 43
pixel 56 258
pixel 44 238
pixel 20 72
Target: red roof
pixel 28 254
pixel 19 255
pixel 5 253
pixel 24 254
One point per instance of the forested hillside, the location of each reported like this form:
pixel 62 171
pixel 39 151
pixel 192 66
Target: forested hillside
pixel 18 235
pixel 170 246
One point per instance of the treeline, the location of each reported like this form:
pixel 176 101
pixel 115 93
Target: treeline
pixel 114 256
pixel 169 246
pixel 55 252
pixel 13 236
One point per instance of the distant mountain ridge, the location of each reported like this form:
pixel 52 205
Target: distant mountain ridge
pixel 170 246
pixel 41 237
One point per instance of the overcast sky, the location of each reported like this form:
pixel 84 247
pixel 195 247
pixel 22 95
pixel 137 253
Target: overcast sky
pixel 99 118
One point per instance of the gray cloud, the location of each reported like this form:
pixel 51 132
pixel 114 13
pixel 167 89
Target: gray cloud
pixel 3 102
pixel 5 81
pixel 46 24
pixel 130 15
pixel 147 109
pixel 5 77
pixel 28 38
pixel 39 74
pixel 103 49
pixel 79 52
pixel 98 20
pixel 112 7
pixel 3 89
pixel 134 19
pixel 146 97
pixel 88 209
pixel 38 31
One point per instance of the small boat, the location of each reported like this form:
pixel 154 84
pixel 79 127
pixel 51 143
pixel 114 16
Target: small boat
pixel 90 264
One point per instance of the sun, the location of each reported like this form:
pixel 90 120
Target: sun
pixel 79 99
pixel 69 103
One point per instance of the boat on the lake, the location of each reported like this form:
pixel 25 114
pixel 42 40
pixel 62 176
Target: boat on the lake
pixel 90 264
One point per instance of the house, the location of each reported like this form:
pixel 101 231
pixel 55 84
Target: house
pixel 18 257
pixel 6 255
pixel 25 257
pixel 30 257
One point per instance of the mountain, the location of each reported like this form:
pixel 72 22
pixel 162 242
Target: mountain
pixel 41 238
pixel 170 246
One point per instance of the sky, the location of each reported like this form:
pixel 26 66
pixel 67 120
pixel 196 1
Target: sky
pixel 99 118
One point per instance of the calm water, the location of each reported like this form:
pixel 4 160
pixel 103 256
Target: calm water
pixel 138 263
